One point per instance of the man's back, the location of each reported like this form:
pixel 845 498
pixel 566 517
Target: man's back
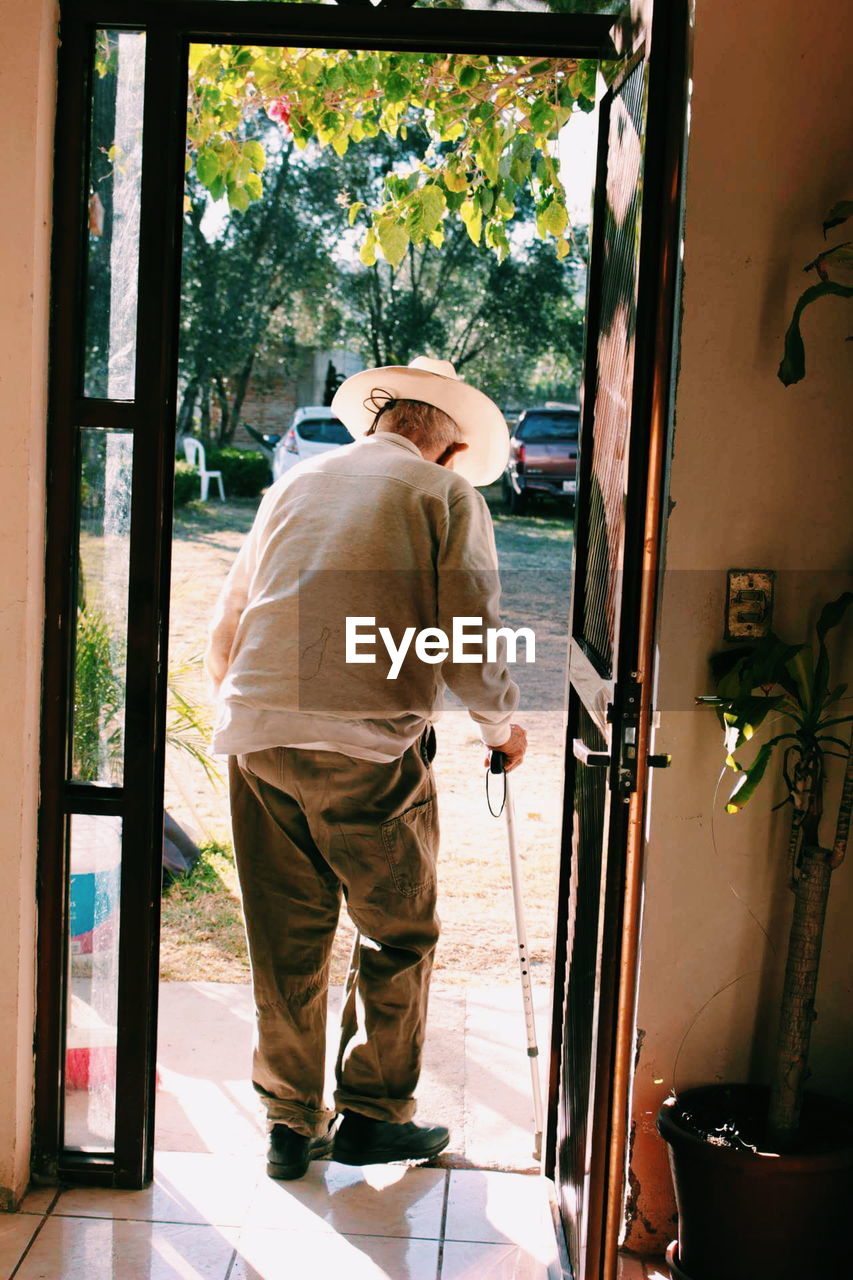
pixel 372 530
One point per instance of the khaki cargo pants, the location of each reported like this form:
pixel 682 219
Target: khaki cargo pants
pixel 308 827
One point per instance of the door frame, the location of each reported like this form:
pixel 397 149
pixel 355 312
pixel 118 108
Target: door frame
pixel 170 28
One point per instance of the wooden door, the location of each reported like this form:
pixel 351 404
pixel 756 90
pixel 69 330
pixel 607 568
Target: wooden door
pixel 633 268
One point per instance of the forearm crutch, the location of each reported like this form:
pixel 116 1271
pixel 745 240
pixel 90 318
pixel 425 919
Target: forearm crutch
pixel 496 765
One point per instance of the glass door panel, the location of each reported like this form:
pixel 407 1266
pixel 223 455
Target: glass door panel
pixel 91 1013
pixel 115 181
pixel 100 646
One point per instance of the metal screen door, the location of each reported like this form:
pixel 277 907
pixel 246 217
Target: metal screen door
pixel 627 372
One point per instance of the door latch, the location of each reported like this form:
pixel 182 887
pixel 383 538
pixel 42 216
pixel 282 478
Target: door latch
pixel 627 718
pixel 592 759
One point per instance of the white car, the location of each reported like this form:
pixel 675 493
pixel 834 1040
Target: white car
pixel 314 429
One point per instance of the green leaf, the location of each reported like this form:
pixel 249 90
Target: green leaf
pixel 793 364
pixel 835 695
pixel 393 239
pixel 354 210
pixel 830 616
pixel 450 132
pixel 455 179
pixel 367 252
pixel 554 217
pixel 745 788
pixel 582 81
pixel 207 166
pixel 841 254
pixel 801 667
pixel 486 200
pixel 541 116
pixel 433 205
pixel 469 76
pixel 254 153
pixel 238 197
pixel 472 216
pixel 254 186
pixel 397 87
pixel 839 213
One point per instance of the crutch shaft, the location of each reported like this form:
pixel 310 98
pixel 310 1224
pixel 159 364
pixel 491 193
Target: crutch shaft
pixel 524 967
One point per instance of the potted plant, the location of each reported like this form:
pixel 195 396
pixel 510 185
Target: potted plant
pixel 793 364
pixel 764 1174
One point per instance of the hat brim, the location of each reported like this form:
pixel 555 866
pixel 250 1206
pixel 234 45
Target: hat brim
pixel 481 422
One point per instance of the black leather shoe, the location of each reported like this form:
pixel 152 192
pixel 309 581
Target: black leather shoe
pixel 290 1153
pixel 363 1140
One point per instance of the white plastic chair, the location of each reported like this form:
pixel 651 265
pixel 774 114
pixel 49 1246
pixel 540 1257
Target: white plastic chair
pixel 195 456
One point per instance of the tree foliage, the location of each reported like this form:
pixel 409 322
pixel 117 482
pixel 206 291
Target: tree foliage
pixel 260 275
pixel 496 321
pixel 492 123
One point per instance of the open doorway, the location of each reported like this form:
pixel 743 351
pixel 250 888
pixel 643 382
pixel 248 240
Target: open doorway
pixel 283 297
pixel 117 310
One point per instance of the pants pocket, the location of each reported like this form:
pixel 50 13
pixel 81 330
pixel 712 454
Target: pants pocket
pixel 409 842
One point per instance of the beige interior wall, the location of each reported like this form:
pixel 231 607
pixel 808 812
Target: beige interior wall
pixel 760 479
pixel 27 96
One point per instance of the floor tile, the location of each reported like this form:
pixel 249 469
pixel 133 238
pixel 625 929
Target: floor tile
pixel 499 1125
pixel 265 1254
pixel 382 1200
pixel 188 1187
pixel 91 1249
pixel 501 1208
pixel 16 1232
pixel 478 1261
pixel 38 1199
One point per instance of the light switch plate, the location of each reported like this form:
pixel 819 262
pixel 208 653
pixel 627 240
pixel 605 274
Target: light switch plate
pixel 749 603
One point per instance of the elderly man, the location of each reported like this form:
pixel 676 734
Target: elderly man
pixel 330 743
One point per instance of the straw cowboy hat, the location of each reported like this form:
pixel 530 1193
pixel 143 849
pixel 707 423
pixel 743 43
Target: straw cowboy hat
pixel 435 382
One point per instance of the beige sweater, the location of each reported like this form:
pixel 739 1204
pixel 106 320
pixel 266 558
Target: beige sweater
pixel 371 530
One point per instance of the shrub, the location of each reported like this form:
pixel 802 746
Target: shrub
pixel 98 740
pixel 186 484
pixel 245 472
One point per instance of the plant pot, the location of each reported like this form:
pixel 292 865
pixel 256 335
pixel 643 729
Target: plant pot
pixel 755 1215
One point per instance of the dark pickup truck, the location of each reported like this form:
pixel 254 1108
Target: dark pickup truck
pixel 543 457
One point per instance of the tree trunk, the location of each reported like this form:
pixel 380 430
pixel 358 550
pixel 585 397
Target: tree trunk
pixel 223 435
pixel 790 1071
pixel 242 386
pixel 185 414
pixel 204 417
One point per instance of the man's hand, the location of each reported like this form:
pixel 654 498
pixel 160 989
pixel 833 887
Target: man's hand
pixel 513 749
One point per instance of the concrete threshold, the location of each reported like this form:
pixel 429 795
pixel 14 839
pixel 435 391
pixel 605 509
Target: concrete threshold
pixel 476 1075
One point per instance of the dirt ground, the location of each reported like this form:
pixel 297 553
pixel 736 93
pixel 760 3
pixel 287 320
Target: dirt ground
pixel 478 939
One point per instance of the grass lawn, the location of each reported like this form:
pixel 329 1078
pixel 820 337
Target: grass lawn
pixel 202 931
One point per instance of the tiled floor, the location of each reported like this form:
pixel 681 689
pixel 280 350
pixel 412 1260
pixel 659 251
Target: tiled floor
pixel 212 1217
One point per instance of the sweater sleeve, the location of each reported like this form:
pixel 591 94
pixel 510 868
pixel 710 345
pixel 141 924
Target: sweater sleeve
pixel 469 588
